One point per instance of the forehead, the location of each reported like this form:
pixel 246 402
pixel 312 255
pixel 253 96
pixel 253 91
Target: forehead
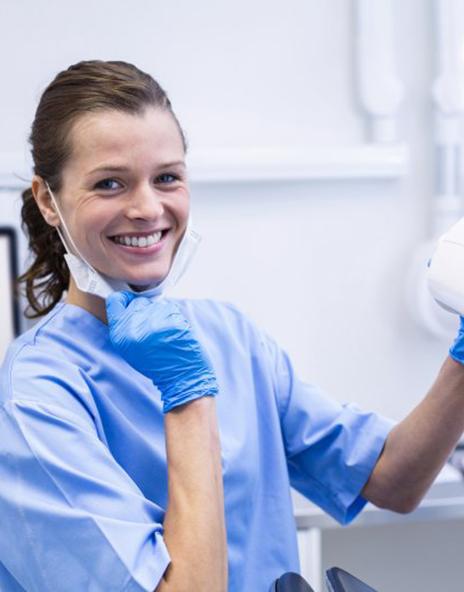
pixel 115 137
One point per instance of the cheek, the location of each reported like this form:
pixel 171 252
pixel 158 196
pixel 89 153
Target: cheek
pixel 89 229
pixel 93 220
pixel 183 208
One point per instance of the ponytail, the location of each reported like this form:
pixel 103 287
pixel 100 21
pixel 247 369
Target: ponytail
pixel 48 276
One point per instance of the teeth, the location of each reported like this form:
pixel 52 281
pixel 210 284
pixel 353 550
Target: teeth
pixel 138 241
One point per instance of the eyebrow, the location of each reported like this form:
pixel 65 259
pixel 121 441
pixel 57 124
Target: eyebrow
pixel 123 169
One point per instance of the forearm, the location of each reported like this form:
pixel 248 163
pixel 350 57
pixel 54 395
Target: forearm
pixel 194 526
pixel 418 447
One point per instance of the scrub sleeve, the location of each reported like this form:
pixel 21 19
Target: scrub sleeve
pixel 84 523
pixel 331 448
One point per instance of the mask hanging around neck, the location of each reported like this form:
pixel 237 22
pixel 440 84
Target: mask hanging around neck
pixel 91 281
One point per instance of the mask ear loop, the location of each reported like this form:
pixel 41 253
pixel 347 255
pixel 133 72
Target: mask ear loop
pixel 61 235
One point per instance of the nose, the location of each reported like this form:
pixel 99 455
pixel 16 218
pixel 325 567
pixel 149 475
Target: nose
pixel 144 203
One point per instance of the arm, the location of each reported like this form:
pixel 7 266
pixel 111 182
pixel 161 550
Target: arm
pixel 419 446
pixel 194 529
pixel 155 338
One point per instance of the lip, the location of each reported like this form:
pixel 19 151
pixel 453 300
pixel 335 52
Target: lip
pixel 142 251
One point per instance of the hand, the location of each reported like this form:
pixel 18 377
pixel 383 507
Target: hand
pixel 155 338
pixel 457 349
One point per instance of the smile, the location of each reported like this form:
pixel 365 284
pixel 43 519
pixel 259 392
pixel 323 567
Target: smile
pixel 144 241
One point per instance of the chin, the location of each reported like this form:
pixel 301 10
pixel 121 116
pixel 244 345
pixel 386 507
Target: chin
pixel 142 287
pixel 142 277
pixel 145 283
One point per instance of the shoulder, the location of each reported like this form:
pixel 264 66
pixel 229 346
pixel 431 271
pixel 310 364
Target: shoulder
pixel 226 331
pixel 208 308
pixel 216 316
pixel 29 341
pixel 45 363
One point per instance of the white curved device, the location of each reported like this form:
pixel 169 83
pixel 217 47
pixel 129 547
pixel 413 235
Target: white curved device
pixel 445 276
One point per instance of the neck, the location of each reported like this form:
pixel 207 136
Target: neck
pixel 88 302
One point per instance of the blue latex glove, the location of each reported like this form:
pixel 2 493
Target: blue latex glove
pixel 457 349
pixel 156 339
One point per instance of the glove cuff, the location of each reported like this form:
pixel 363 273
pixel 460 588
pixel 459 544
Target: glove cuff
pixel 182 400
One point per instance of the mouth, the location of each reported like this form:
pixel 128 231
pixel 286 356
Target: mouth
pixel 140 240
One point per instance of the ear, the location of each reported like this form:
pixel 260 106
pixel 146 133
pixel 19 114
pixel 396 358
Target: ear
pixel 44 201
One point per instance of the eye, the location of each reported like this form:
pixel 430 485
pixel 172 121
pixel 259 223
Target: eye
pixel 107 184
pixel 167 178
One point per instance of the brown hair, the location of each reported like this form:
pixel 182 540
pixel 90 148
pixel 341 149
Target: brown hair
pixel 84 87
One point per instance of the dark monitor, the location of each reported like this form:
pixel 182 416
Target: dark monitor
pixel 339 580
pixel 9 310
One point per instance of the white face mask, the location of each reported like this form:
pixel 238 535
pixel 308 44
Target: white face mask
pixel 89 280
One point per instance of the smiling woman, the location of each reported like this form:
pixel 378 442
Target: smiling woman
pixel 109 187
pixel 150 442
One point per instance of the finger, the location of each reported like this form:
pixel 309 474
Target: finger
pixel 139 303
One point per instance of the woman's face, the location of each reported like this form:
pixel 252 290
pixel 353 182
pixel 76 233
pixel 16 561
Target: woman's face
pixel 124 194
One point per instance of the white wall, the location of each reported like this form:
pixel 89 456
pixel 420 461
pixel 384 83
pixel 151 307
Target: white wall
pixel 321 265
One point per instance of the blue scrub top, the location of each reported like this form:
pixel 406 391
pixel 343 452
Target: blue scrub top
pixel 83 473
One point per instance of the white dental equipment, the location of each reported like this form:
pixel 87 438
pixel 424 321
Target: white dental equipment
pixel 89 280
pixel 445 275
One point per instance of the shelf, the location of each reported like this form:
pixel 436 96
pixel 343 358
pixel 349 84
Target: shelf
pixel 257 165
pixel 362 162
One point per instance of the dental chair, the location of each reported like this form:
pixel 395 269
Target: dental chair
pixel 339 580
pixel 290 582
pixel 336 579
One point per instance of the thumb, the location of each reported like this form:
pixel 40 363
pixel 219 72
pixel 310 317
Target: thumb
pixel 117 303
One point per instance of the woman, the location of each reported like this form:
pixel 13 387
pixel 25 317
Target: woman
pixel 150 443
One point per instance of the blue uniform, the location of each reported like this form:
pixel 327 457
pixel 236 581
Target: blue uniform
pixel 83 473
